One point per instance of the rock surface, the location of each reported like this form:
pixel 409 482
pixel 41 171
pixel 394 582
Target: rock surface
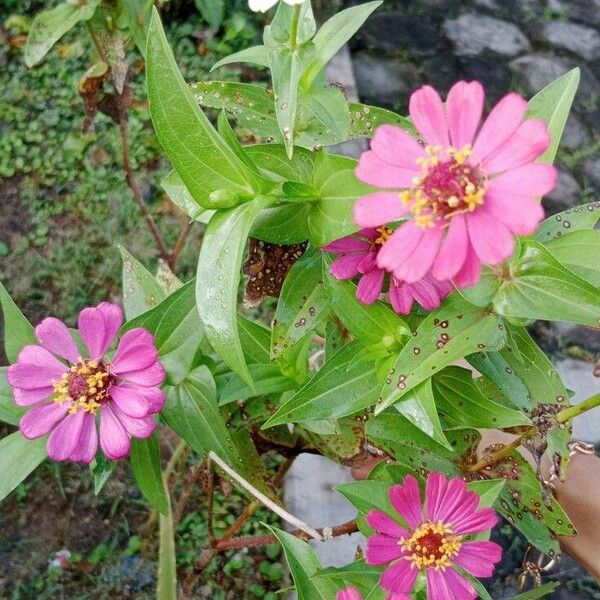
pixel 578 39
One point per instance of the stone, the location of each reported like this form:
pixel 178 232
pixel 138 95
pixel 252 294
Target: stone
pixel 590 170
pixel 576 134
pixel 566 194
pixel 578 39
pixel 391 32
pixel 579 335
pixel 384 80
pixel 471 34
pixel 586 11
pixel 492 73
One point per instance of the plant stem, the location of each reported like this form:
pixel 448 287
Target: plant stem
pixel 185 232
pixel 573 411
pixel 294 27
pixel 496 457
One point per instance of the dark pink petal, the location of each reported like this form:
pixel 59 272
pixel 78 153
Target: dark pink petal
pixel 114 440
pixel 406 499
pixel 379 208
pixel 425 293
pixel 87 446
pixel 501 123
pixel 399 578
pixel 372 233
pixel 348 594
pixel 481 520
pixel 368 263
pixel 397 147
pixel 373 170
pixel 55 336
pixel 137 428
pixel 462 508
pixel 532 180
pixel 446 585
pixel 346 245
pixel 464 107
pixel 469 272
pixel 415 266
pixel 369 286
pixel 454 496
pixel 29 397
pixel 399 246
pixel 382 549
pixel 346 266
pixel 150 377
pixel 401 297
pixel 435 491
pixel 427 113
pixel 154 396
pixel 41 419
pixel 453 251
pixel 130 401
pixel 65 436
pixel 35 368
pixel 479 558
pixel 99 326
pixel 135 351
pixel 492 240
pixel 444 288
pixel 530 141
pixel 383 523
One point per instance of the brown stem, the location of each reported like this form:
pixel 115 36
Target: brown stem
pixel 185 232
pixel 496 457
pixel 210 493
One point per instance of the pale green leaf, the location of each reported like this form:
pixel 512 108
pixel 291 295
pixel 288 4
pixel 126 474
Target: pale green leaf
pixel 18 331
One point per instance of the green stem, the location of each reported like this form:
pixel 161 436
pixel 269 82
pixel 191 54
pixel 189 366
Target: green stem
pixel 294 26
pixel 574 411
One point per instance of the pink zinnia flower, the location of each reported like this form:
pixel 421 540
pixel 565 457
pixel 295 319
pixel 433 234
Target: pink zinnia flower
pixel 358 256
pixel 465 193
pixel 65 398
pixel 435 539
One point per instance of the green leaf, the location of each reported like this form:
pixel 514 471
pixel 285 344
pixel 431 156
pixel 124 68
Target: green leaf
pixel 9 412
pixel 102 468
pixel 538 592
pixel 166 588
pixel 256 55
pixel 255 339
pixel 584 216
pixel 358 574
pixel 462 402
pixel 487 490
pixel 141 291
pixel 364 119
pixel 553 104
pixel 145 464
pixel 212 11
pixel 483 293
pixel 181 197
pixel 18 458
pixel 333 34
pixel 579 252
pixel 50 25
pixel 138 13
pixel 177 331
pixel 218 278
pixel 342 387
pixel 203 160
pixel 366 495
pixel 18 331
pixel 268 380
pixel 454 330
pixel 302 305
pixel 539 287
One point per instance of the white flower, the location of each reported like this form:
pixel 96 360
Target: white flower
pixel 264 5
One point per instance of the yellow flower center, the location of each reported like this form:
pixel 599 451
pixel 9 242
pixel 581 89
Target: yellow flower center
pixel 432 545
pixel 447 186
pixel 85 384
pixel 384 234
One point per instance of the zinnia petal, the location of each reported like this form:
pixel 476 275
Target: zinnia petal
pixel 414 266
pixel 140 428
pixel 55 336
pixel 491 239
pixel 348 594
pixel 346 266
pixel 396 146
pixel 401 297
pixel 406 499
pixel 522 216
pixel 399 246
pixel 41 419
pixel 374 171
pixel 426 293
pixel 29 397
pixel 469 272
pixel 135 351
pixel 382 549
pixel 383 523
pixel 532 180
pixel 155 397
pixel 114 440
pixel 400 578
pixel 87 446
pixel 64 438
pixel 378 209
pixel 476 522
pixel 129 400
pixel 453 250
pixel 99 326
pixel 479 558
pixel 369 286
pixel 464 107
pixel 152 376
pixel 427 113
pixel 346 245
pixel 35 368
pixel 443 585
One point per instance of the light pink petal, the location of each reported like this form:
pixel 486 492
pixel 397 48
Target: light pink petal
pixel 348 594
pixel 382 549
pixel 425 293
pixel 417 263
pixel 99 326
pixel 135 351
pixel 522 216
pixel 399 246
pixel 406 499
pixel 401 297
pixel 427 113
pixel 532 180
pixel 155 397
pixel 378 209
pixel 492 240
pixel 531 140
pixel 501 123
pixel 41 419
pixel 87 446
pixel 397 147
pixel 453 251
pixel 346 245
pixel 383 523
pixel 444 288
pixel 113 320
pixel 55 336
pixel 114 439
pixel 469 272
pixel 137 428
pixel 373 170
pixel 346 266
pixel 35 368
pixel 65 436
pixel 400 578
pixel 369 286
pixel 481 520
pixel 150 377
pixel 443 585
pixel 464 107
pixel 29 397
pixel 130 401
pixel 479 558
